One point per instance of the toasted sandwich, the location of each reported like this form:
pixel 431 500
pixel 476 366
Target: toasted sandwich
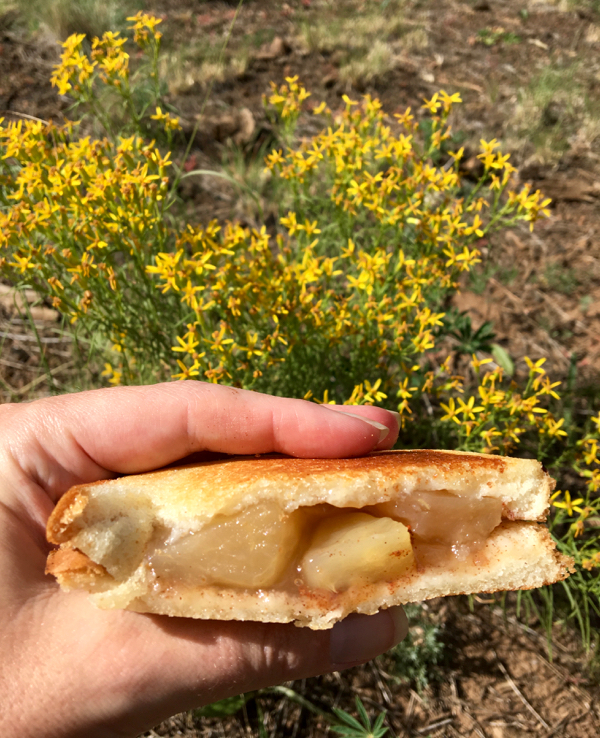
pixel 280 539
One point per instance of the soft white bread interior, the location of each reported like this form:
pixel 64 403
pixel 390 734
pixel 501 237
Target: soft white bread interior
pixel 107 532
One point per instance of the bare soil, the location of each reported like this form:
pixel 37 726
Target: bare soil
pixel 496 680
pixel 541 290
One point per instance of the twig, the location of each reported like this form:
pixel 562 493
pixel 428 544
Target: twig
pixel 563 721
pixel 417 697
pixel 385 692
pixel 565 316
pixel 521 696
pixel 461 709
pixel 23 337
pixel 38 380
pixel 511 295
pixel 497 613
pixel 433 726
pixel 560 724
pixel 476 726
pixel 13 364
pixel 7 388
pixel 410 708
pixel 24 115
pixel 573 687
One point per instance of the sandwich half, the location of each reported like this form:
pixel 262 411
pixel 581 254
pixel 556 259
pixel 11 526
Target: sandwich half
pixel 280 539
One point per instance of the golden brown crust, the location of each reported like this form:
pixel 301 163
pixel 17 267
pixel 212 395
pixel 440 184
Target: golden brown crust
pixel 114 522
pixel 71 561
pixel 390 462
pixel 70 507
pixel 74 570
pixel 224 487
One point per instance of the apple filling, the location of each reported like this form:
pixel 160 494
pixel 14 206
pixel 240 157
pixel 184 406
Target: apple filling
pixel 251 549
pixel 325 547
pixel 444 526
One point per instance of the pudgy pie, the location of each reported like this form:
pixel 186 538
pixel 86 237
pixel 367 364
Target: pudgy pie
pixel 280 539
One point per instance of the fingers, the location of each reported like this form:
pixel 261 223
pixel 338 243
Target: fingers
pixel 374 414
pixel 208 661
pixel 79 438
pixel 121 673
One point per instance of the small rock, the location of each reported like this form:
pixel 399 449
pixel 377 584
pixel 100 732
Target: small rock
pixel 482 6
pixel 238 126
pixel 246 127
pixel 552 114
pixel 44 315
pixel 273 50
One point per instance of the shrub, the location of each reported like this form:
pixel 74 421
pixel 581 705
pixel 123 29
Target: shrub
pixel 344 302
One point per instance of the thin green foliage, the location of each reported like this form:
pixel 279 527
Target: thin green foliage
pixel 417 658
pixel 344 300
pixel 351 727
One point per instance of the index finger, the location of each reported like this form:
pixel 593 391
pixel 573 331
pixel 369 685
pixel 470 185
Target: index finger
pixel 79 438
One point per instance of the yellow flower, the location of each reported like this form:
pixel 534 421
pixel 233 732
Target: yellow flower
pixel 170 123
pixel 478 363
pixel 567 503
pixel 451 411
pixel 553 427
pixel 144 28
pixel 373 393
pixel 577 528
pixel 187 372
pixel 433 104
pixel 325 400
pixel 468 409
pixel 309 227
pixel 290 223
pixel 535 368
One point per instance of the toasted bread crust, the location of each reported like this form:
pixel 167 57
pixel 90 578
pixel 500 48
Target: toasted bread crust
pixel 224 487
pixel 105 529
pixel 68 509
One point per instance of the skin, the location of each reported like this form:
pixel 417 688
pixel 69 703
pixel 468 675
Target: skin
pixel 70 670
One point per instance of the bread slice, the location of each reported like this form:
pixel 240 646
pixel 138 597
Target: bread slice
pixel 235 539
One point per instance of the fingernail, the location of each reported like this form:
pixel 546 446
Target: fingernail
pixel 395 414
pixel 383 429
pixel 359 638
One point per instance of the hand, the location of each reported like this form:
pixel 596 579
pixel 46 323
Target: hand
pixel 68 669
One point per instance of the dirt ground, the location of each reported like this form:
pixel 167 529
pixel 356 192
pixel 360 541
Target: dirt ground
pixel 495 681
pixel 529 75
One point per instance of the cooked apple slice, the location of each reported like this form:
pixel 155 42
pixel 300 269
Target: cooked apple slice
pixel 354 547
pixel 251 549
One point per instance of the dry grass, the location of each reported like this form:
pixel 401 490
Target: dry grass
pixel 374 64
pixel 415 40
pixel 64 17
pixel 354 33
pixel 184 71
pixel 369 40
pixel 555 114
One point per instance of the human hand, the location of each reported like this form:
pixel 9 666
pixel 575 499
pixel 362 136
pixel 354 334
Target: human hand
pixel 68 669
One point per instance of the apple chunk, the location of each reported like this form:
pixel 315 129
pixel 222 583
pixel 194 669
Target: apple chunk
pixel 251 549
pixel 352 546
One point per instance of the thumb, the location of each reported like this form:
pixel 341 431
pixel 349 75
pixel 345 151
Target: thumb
pixel 360 638
pixel 207 662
